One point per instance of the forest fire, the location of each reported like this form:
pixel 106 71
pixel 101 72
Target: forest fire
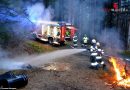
pixel 123 79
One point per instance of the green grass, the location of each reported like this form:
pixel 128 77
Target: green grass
pixel 36 47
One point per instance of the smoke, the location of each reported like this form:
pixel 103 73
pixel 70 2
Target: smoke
pixel 3 53
pixel 35 60
pixel 112 41
pixel 50 57
pixel 22 16
pixel 19 18
pixel 38 12
pixel 8 64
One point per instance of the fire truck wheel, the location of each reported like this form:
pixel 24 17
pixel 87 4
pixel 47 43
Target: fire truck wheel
pixel 62 43
pixel 50 40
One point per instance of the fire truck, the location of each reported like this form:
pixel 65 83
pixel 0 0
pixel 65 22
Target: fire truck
pixel 55 32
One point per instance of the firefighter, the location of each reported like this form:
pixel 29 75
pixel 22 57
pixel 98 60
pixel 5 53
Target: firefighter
pixel 99 59
pixel 100 62
pixel 96 58
pixel 98 44
pixel 93 55
pixel 67 33
pixel 93 46
pixel 100 51
pixel 75 41
pixel 98 47
pixel 93 61
pixel 85 40
pixel 93 42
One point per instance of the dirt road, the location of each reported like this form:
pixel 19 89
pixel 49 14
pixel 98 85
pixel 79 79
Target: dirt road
pixel 78 77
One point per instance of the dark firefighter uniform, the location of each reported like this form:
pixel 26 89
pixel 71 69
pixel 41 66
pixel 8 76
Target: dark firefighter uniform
pixel 93 55
pixel 75 41
pixel 99 58
pixel 96 56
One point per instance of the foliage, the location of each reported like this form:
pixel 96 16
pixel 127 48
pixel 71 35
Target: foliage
pixel 35 47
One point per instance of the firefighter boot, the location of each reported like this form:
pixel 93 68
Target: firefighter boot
pixel 104 67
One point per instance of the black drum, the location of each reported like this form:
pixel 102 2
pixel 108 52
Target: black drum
pixel 9 80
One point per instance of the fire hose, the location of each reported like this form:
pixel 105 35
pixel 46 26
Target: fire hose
pixel 10 80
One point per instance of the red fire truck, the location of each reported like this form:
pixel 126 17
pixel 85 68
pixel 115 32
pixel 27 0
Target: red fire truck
pixel 55 32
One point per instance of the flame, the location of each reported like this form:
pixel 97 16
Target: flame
pixel 121 77
pixel 118 74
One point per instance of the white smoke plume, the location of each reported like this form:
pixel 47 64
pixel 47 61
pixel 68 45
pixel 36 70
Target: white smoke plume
pixel 24 22
pixel 50 57
pixel 112 41
pixel 8 64
pixel 35 60
pixel 38 12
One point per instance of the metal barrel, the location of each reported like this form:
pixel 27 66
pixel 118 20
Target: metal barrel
pixel 18 81
pixel 7 75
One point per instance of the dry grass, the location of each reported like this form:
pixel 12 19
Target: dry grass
pixel 37 47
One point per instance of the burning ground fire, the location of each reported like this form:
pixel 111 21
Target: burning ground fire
pixel 123 79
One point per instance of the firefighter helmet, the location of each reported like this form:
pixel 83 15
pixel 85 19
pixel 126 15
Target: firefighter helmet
pixel 93 41
pixel 98 44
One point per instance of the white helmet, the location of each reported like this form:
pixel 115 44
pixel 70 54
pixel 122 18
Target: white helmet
pixel 98 44
pixel 93 41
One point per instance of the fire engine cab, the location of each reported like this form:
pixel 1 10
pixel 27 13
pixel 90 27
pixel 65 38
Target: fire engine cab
pixel 55 32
